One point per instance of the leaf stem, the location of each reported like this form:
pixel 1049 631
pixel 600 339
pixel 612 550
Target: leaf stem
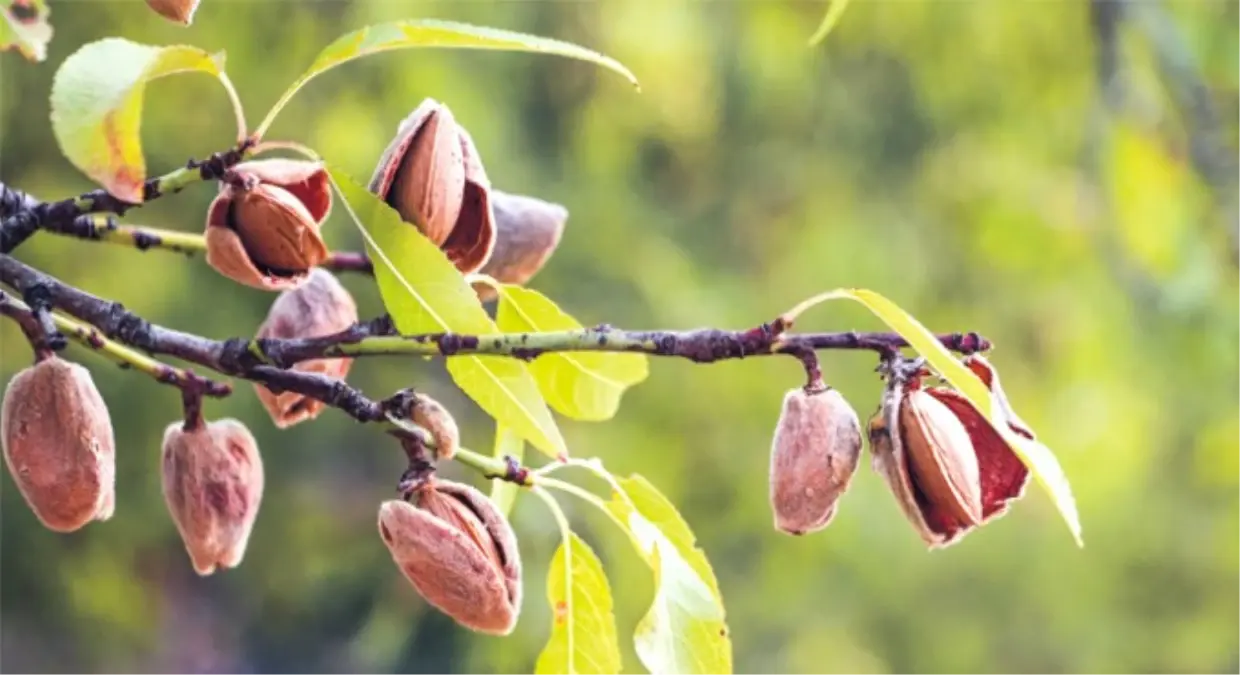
pixel 238 109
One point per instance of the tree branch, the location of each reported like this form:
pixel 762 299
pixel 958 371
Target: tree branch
pixel 89 337
pixel 263 360
pixel 23 215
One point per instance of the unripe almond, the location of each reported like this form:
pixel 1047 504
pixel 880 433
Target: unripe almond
pixel 319 307
pixel 213 486
pixel 458 552
pixel 941 457
pixel 813 458
pixel 59 445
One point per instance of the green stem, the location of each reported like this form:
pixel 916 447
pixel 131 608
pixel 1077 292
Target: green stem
pixel 89 336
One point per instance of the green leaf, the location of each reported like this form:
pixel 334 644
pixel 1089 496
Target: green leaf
pixel 504 493
pixel 581 385
pixel 583 631
pixel 834 11
pixel 433 33
pixel 25 28
pixel 97 106
pixel 1040 460
pixel 685 629
pixel 425 293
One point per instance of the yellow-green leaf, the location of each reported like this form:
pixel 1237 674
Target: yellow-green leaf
pixel 685 630
pixel 425 293
pixel 433 33
pixel 1040 460
pixel 834 11
pixel 504 493
pixel 583 629
pixel 25 28
pixel 581 385
pixel 97 106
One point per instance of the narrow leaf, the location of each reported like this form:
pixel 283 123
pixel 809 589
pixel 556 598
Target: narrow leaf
pixel 97 106
pixel 425 293
pixel 581 385
pixel 583 630
pixel 685 629
pixel 834 11
pixel 1040 460
pixel 25 28
pixel 433 33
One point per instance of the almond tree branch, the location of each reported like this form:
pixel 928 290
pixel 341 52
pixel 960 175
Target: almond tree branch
pixel 264 360
pixel 88 336
pixel 24 215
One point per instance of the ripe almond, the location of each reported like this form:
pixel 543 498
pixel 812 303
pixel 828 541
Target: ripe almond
pixel 263 227
pixel 431 173
pixel 458 552
pixel 941 457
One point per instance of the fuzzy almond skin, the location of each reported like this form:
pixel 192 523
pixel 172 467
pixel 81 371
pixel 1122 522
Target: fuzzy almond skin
pixel 526 235
pixel 941 457
pixel 506 553
pixel 447 568
pixel 814 455
pixel 321 306
pixel 213 486
pixel 58 444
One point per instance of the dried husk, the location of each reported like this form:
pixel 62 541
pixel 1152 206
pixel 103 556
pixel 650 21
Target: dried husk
pixel 59 445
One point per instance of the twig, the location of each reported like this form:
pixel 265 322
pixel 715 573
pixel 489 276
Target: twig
pixel 89 337
pixel 32 215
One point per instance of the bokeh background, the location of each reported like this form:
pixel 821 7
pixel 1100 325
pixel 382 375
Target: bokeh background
pixel 1058 176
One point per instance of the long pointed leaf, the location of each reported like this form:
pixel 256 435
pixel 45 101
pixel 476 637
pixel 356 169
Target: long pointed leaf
pixel 433 33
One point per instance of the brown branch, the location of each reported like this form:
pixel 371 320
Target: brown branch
pixel 23 215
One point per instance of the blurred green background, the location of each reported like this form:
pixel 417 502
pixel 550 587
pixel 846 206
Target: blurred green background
pixel 1058 176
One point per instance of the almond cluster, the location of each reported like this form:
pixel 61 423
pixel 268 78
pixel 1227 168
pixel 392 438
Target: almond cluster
pixel 947 467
